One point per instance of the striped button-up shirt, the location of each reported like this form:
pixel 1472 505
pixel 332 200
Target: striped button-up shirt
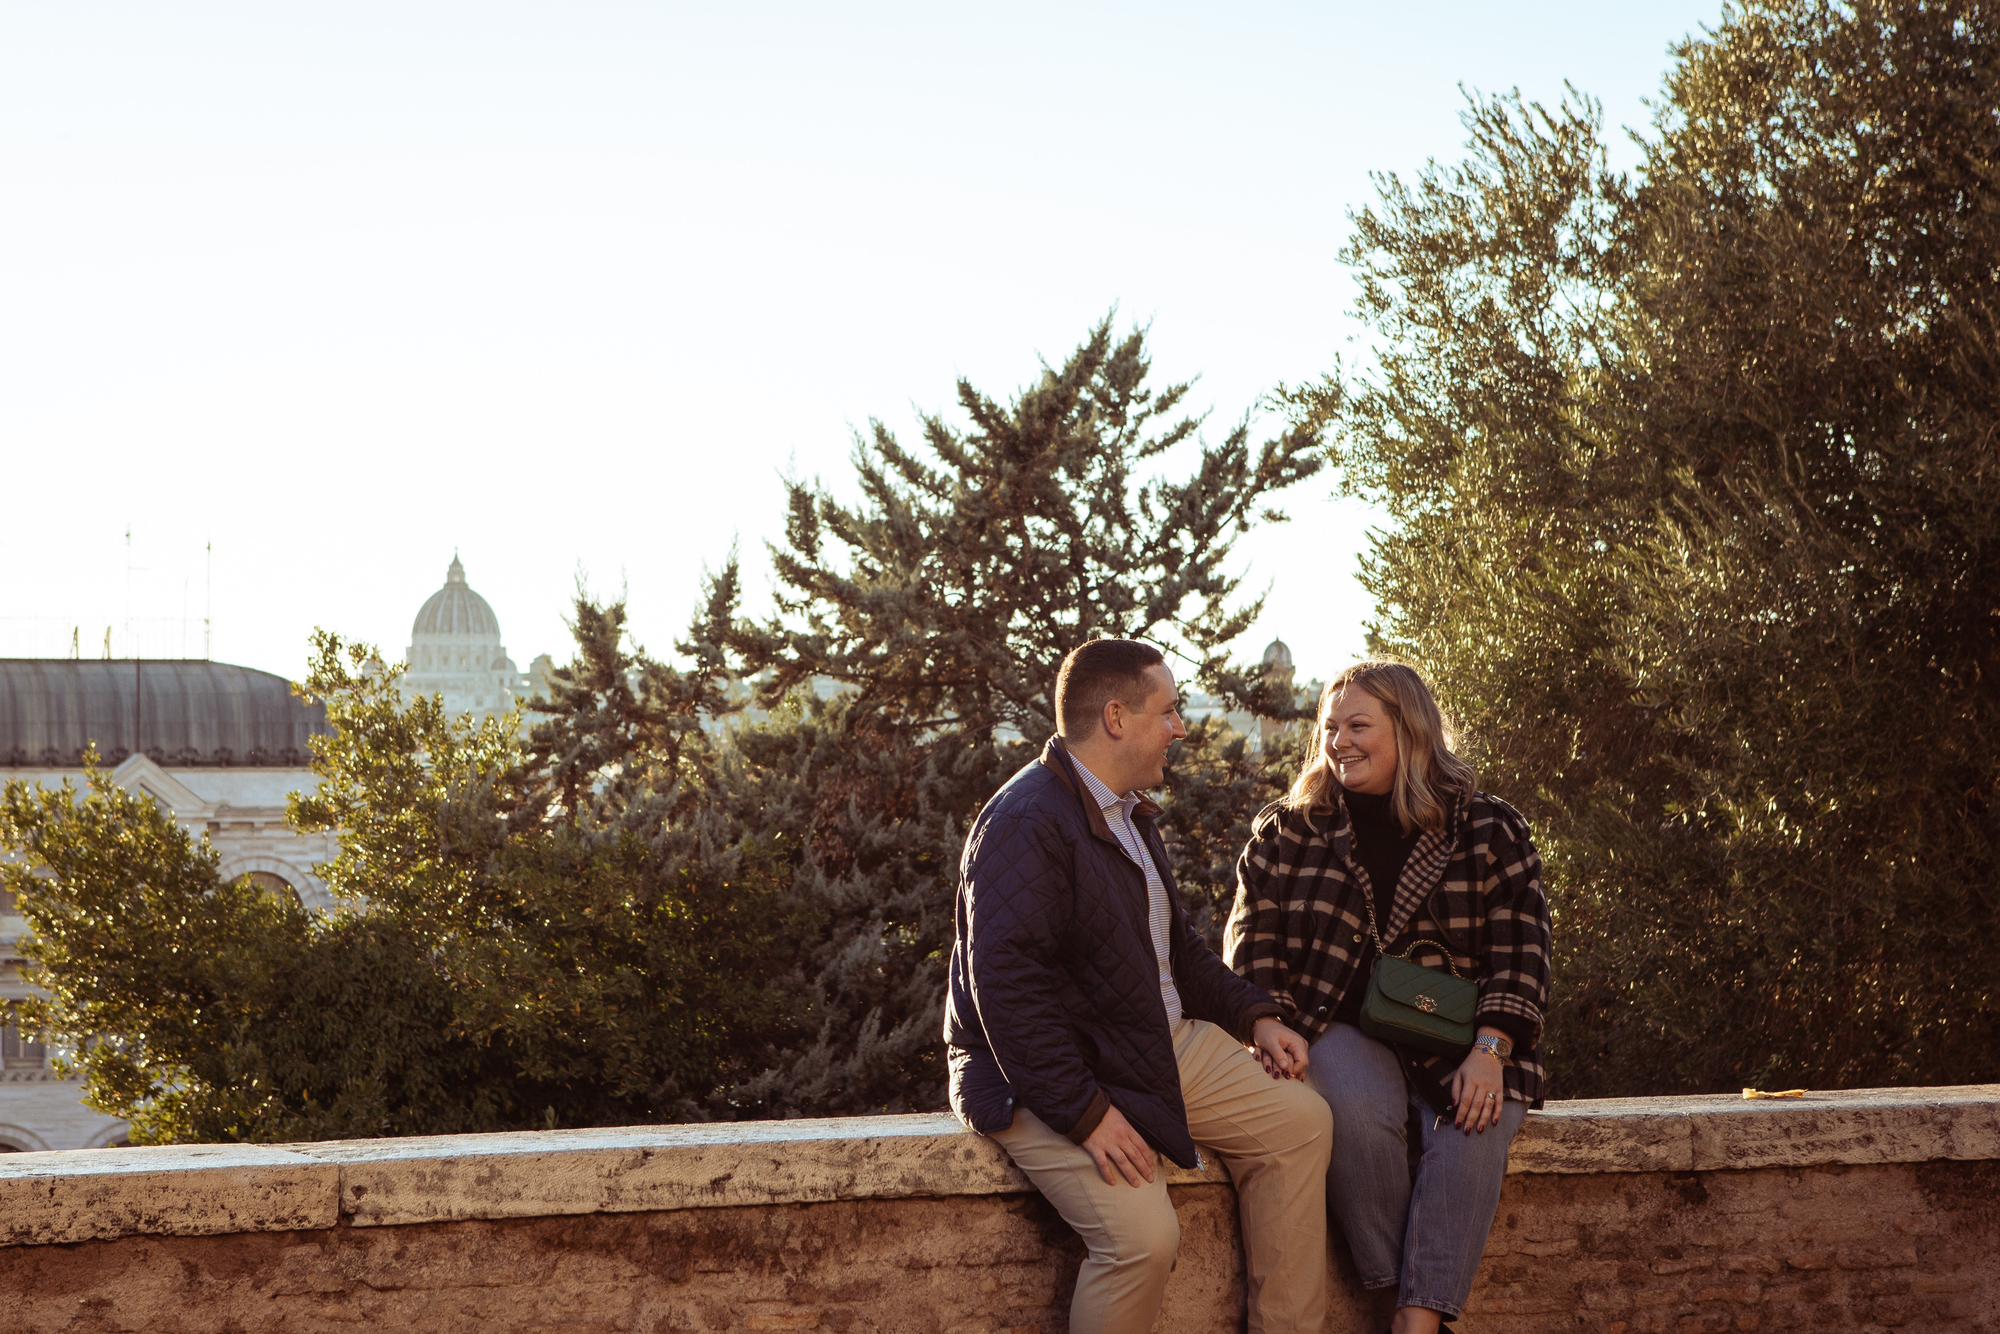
pixel 1118 814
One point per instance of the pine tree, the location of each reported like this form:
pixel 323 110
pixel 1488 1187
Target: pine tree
pixel 948 593
pixel 935 609
pixel 618 726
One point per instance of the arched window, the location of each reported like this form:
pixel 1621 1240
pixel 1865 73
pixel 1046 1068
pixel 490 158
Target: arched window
pixel 273 884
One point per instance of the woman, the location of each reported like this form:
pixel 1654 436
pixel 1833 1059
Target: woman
pixel 1383 842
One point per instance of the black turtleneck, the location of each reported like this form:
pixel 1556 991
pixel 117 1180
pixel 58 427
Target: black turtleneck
pixel 1380 845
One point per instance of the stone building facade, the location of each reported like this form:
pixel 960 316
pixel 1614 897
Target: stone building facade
pixel 220 747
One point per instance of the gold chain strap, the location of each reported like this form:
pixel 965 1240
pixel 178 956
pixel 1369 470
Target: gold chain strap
pixel 1375 934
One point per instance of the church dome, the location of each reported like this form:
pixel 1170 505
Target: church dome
pixel 456 611
pixel 180 712
pixel 1278 654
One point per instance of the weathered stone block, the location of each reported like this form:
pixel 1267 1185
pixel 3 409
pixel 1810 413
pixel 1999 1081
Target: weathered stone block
pixel 1605 1135
pixel 544 1174
pixel 88 1194
pixel 1860 1126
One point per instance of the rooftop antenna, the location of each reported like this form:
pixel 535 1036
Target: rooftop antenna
pixel 208 609
pixel 138 686
pixel 107 643
pixel 75 648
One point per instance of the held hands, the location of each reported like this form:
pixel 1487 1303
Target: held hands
pixel 1282 1051
pixel 1119 1152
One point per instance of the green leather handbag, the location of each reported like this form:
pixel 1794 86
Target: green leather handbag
pixel 1409 1005
pixel 1412 1006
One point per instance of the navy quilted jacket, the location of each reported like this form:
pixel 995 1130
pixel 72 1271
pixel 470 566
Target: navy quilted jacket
pixel 1055 1001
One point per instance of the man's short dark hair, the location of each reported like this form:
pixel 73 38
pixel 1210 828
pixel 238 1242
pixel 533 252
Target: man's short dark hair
pixel 1096 673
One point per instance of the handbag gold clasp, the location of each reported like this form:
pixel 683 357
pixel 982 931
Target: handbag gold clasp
pixel 1425 1003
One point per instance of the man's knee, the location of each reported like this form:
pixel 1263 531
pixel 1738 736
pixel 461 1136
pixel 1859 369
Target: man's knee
pixel 1146 1239
pixel 1317 1125
pixel 1305 1113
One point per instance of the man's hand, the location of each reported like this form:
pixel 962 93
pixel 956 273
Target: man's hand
pixel 1118 1151
pixel 1282 1051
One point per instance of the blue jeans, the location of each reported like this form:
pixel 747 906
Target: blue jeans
pixel 1422 1237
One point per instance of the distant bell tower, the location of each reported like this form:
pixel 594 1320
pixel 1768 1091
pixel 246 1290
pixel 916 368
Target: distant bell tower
pixel 1277 674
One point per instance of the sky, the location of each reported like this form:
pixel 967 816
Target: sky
pixel 298 300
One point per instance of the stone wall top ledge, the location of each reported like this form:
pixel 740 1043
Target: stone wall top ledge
pixel 182 1190
pixel 542 1173
pixel 1726 1131
pixel 56 1197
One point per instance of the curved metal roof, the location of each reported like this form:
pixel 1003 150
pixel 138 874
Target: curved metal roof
pixel 456 610
pixel 185 712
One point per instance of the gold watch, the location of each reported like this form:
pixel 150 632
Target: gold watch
pixel 1498 1046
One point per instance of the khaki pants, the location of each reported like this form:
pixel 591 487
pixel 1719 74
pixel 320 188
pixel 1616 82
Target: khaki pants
pixel 1273 1136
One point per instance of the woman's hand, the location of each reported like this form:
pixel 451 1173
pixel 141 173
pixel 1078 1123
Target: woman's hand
pixel 1270 1066
pixel 1477 1093
pixel 1282 1051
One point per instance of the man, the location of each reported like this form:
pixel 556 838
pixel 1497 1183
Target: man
pixel 1090 1029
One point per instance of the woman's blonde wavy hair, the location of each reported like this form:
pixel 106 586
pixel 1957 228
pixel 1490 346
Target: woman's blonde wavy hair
pixel 1430 780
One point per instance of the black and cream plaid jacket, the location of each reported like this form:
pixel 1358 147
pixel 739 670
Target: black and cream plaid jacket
pixel 1299 925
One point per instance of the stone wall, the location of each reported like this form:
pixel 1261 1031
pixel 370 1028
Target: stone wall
pixel 1843 1211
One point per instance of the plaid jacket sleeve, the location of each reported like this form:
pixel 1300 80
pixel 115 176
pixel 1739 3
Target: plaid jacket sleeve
pixel 1253 940
pixel 1210 991
pixel 1515 991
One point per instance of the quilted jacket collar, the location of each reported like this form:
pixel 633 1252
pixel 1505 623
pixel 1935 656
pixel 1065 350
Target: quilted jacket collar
pixel 1058 760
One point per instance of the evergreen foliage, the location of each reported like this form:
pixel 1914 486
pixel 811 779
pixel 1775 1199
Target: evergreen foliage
pixel 936 608
pixel 948 593
pixel 1696 481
